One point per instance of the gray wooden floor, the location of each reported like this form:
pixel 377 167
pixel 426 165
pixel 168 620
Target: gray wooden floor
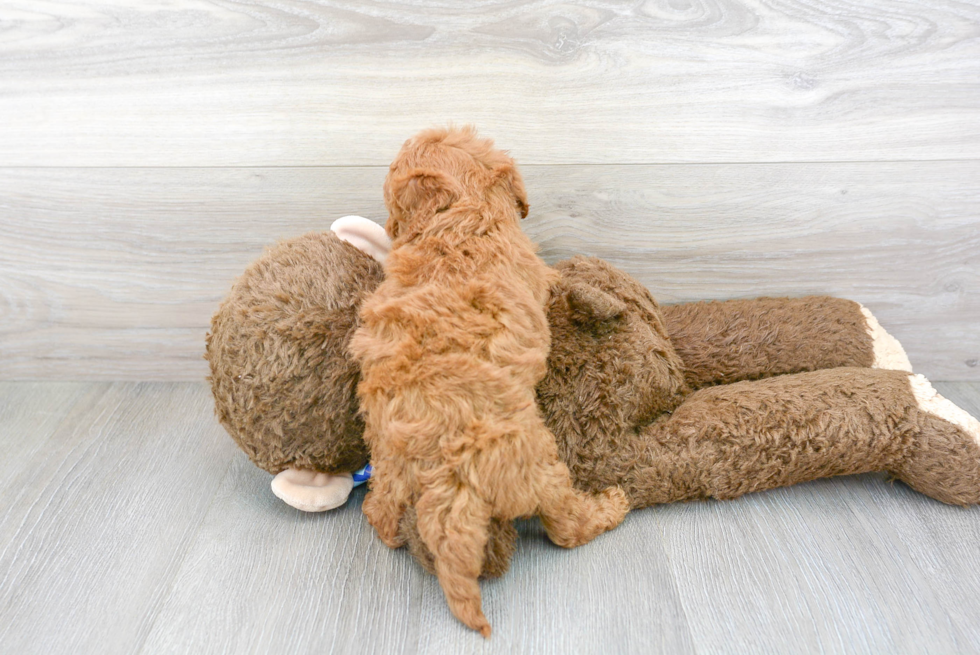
pixel 129 523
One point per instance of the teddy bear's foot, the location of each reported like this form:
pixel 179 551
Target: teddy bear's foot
pixel 888 352
pixel 945 463
pixel 311 491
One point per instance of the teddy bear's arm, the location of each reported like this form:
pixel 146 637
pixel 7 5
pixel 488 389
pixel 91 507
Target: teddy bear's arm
pixel 724 342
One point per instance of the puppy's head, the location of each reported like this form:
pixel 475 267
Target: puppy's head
pixel 439 168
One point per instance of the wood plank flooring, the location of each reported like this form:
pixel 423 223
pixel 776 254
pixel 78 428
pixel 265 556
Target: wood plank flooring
pixel 129 523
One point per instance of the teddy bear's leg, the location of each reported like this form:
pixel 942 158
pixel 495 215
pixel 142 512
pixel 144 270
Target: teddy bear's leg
pixel 945 463
pixel 729 440
pixel 888 352
pixel 725 342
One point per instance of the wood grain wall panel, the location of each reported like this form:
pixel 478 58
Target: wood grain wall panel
pixel 344 82
pixel 114 273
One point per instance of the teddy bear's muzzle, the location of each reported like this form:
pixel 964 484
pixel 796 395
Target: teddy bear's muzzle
pixel 312 491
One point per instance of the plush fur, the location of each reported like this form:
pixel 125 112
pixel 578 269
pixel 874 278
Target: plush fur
pixel 451 347
pixel 625 409
pixel 282 378
pixel 776 336
pixel 670 402
pixel 744 422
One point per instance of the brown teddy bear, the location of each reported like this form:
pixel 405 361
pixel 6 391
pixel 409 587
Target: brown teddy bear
pixel 712 399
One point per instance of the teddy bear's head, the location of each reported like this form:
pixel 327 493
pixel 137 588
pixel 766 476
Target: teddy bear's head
pixel 284 384
pixel 611 369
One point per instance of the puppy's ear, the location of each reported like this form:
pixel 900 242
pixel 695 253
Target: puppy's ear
pixel 419 192
pixel 508 176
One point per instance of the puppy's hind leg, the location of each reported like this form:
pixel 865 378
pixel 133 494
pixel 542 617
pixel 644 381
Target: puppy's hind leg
pixel 386 501
pixel 452 521
pixel 571 517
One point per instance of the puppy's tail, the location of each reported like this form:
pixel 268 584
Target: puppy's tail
pixel 453 521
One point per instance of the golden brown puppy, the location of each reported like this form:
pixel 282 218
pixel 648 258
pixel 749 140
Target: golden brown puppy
pixel 451 347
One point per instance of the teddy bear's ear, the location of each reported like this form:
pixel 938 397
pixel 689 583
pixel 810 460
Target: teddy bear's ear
pixel 418 192
pixel 367 236
pixel 508 175
pixel 592 305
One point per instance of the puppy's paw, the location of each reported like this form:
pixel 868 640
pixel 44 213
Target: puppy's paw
pixel 384 518
pixel 596 514
pixel 617 504
pixel 392 541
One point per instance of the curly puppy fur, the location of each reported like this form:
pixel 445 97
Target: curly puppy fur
pixel 451 347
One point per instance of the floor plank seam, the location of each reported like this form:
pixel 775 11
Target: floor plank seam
pixel 186 546
pixel 58 479
pixel 664 546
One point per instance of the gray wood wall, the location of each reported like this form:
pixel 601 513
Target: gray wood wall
pixel 713 148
